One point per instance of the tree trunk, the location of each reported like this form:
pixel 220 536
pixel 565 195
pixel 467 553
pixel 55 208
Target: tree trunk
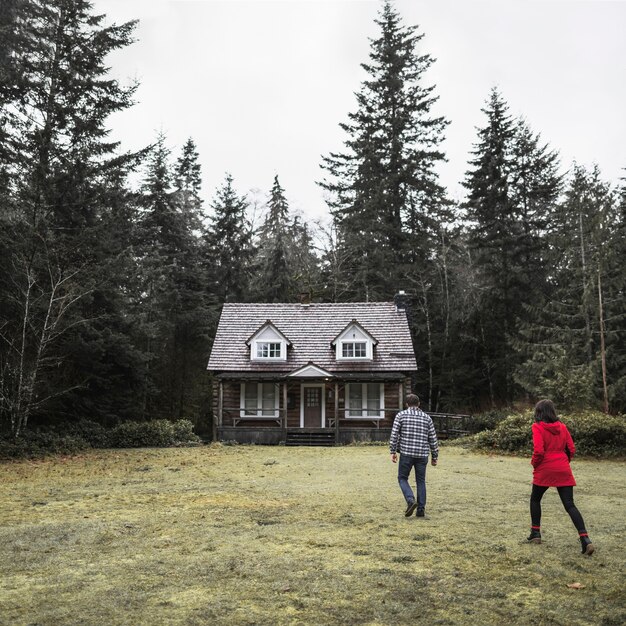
pixel 602 344
pixel 585 286
pixel 446 328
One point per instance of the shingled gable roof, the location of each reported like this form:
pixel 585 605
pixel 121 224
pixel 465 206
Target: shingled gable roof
pixel 311 329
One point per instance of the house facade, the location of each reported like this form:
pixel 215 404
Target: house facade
pixel 284 370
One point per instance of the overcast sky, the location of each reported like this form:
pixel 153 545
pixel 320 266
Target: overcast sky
pixel 262 86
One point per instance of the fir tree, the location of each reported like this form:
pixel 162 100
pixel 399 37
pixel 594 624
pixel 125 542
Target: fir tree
pixel 174 300
pixel 162 228
pixel 285 264
pixel 304 261
pixel 563 342
pixel 492 232
pixel 383 187
pixel 194 312
pixel 535 186
pixel 188 184
pixel 513 187
pixel 615 312
pixel 229 245
pixel 274 278
pixel 60 163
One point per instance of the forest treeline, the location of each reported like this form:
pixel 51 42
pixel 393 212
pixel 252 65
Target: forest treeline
pixel 110 289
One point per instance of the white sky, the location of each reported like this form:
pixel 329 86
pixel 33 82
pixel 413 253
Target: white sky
pixel 262 86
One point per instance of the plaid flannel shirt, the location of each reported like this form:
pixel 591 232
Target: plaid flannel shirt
pixel 413 433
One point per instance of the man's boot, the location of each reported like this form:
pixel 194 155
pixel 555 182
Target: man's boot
pixel 410 507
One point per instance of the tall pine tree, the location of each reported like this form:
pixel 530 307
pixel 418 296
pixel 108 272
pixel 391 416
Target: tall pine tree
pixel 274 280
pixel 174 296
pixel 513 188
pixel 229 245
pixel 60 285
pixel 383 188
pixel 572 344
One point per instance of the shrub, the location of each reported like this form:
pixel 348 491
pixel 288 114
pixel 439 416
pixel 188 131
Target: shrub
pixel 595 434
pixel 37 444
pixel 94 433
pixel 72 437
pixel 488 420
pixel 512 434
pixel 154 434
pixel 183 432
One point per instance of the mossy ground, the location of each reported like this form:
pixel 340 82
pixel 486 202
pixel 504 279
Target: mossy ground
pixel 274 535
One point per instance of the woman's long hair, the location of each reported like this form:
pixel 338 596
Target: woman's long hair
pixel 545 412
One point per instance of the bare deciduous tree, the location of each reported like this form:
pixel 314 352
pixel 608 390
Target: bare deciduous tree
pixel 45 297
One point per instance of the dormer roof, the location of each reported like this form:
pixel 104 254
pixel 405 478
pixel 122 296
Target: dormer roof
pixel 268 324
pixel 354 323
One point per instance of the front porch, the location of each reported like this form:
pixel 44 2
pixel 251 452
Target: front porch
pixel 447 425
pixel 265 409
pixel 356 407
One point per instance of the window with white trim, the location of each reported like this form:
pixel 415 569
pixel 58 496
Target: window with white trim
pixel 268 350
pixel 259 400
pixel 365 400
pixel 354 344
pixel 354 349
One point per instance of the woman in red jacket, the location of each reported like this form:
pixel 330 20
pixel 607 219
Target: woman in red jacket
pixel 553 448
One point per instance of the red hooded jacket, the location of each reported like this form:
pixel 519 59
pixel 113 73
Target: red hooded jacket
pixel 553 447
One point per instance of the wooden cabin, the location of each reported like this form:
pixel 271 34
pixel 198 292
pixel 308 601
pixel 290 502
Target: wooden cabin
pixel 333 373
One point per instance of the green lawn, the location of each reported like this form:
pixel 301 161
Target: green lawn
pixel 274 535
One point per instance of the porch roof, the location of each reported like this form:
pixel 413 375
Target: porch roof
pixel 339 377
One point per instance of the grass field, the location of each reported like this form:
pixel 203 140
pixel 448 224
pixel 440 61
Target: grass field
pixel 274 535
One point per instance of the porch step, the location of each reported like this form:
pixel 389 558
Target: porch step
pixel 310 438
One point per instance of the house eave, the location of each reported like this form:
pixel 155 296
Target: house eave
pixel 356 376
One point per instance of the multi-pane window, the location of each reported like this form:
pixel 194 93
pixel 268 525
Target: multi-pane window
pixel 268 350
pixel 311 396
pixel 259 399
pixel 365 400
pixel 354 350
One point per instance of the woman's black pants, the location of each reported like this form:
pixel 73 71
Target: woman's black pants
pixel 567 498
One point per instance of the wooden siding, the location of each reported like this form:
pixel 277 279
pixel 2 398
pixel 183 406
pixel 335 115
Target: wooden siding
pixel 231 403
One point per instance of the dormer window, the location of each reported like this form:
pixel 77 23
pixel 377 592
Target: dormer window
pixel 354 343
pixel 354 349
pixel 268 344
pixel 268 350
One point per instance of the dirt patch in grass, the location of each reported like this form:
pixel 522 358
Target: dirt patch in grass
pixel 273 535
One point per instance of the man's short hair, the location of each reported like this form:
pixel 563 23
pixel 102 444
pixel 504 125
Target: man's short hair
pixel 412 400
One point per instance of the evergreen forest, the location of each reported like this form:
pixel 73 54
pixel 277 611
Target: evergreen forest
pixel 114 265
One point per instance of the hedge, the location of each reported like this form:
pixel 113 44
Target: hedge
pixel 595 434
pixel 73 437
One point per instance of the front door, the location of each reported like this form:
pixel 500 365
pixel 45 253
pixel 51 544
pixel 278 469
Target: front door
pixel 312 409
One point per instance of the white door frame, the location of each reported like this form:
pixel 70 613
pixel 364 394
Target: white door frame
pixel 322 400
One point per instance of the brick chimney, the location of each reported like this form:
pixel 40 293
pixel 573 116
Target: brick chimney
pixel 402 301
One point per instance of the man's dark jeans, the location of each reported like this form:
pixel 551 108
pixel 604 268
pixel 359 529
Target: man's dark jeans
pixel 407 463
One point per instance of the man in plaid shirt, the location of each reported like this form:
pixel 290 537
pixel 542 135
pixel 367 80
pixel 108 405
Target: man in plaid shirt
pixel 413 435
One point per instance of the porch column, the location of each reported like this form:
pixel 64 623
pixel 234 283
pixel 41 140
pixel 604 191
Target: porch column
pixel 285 405
pixel 220 409
pixel 336 412
pixel 401 395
